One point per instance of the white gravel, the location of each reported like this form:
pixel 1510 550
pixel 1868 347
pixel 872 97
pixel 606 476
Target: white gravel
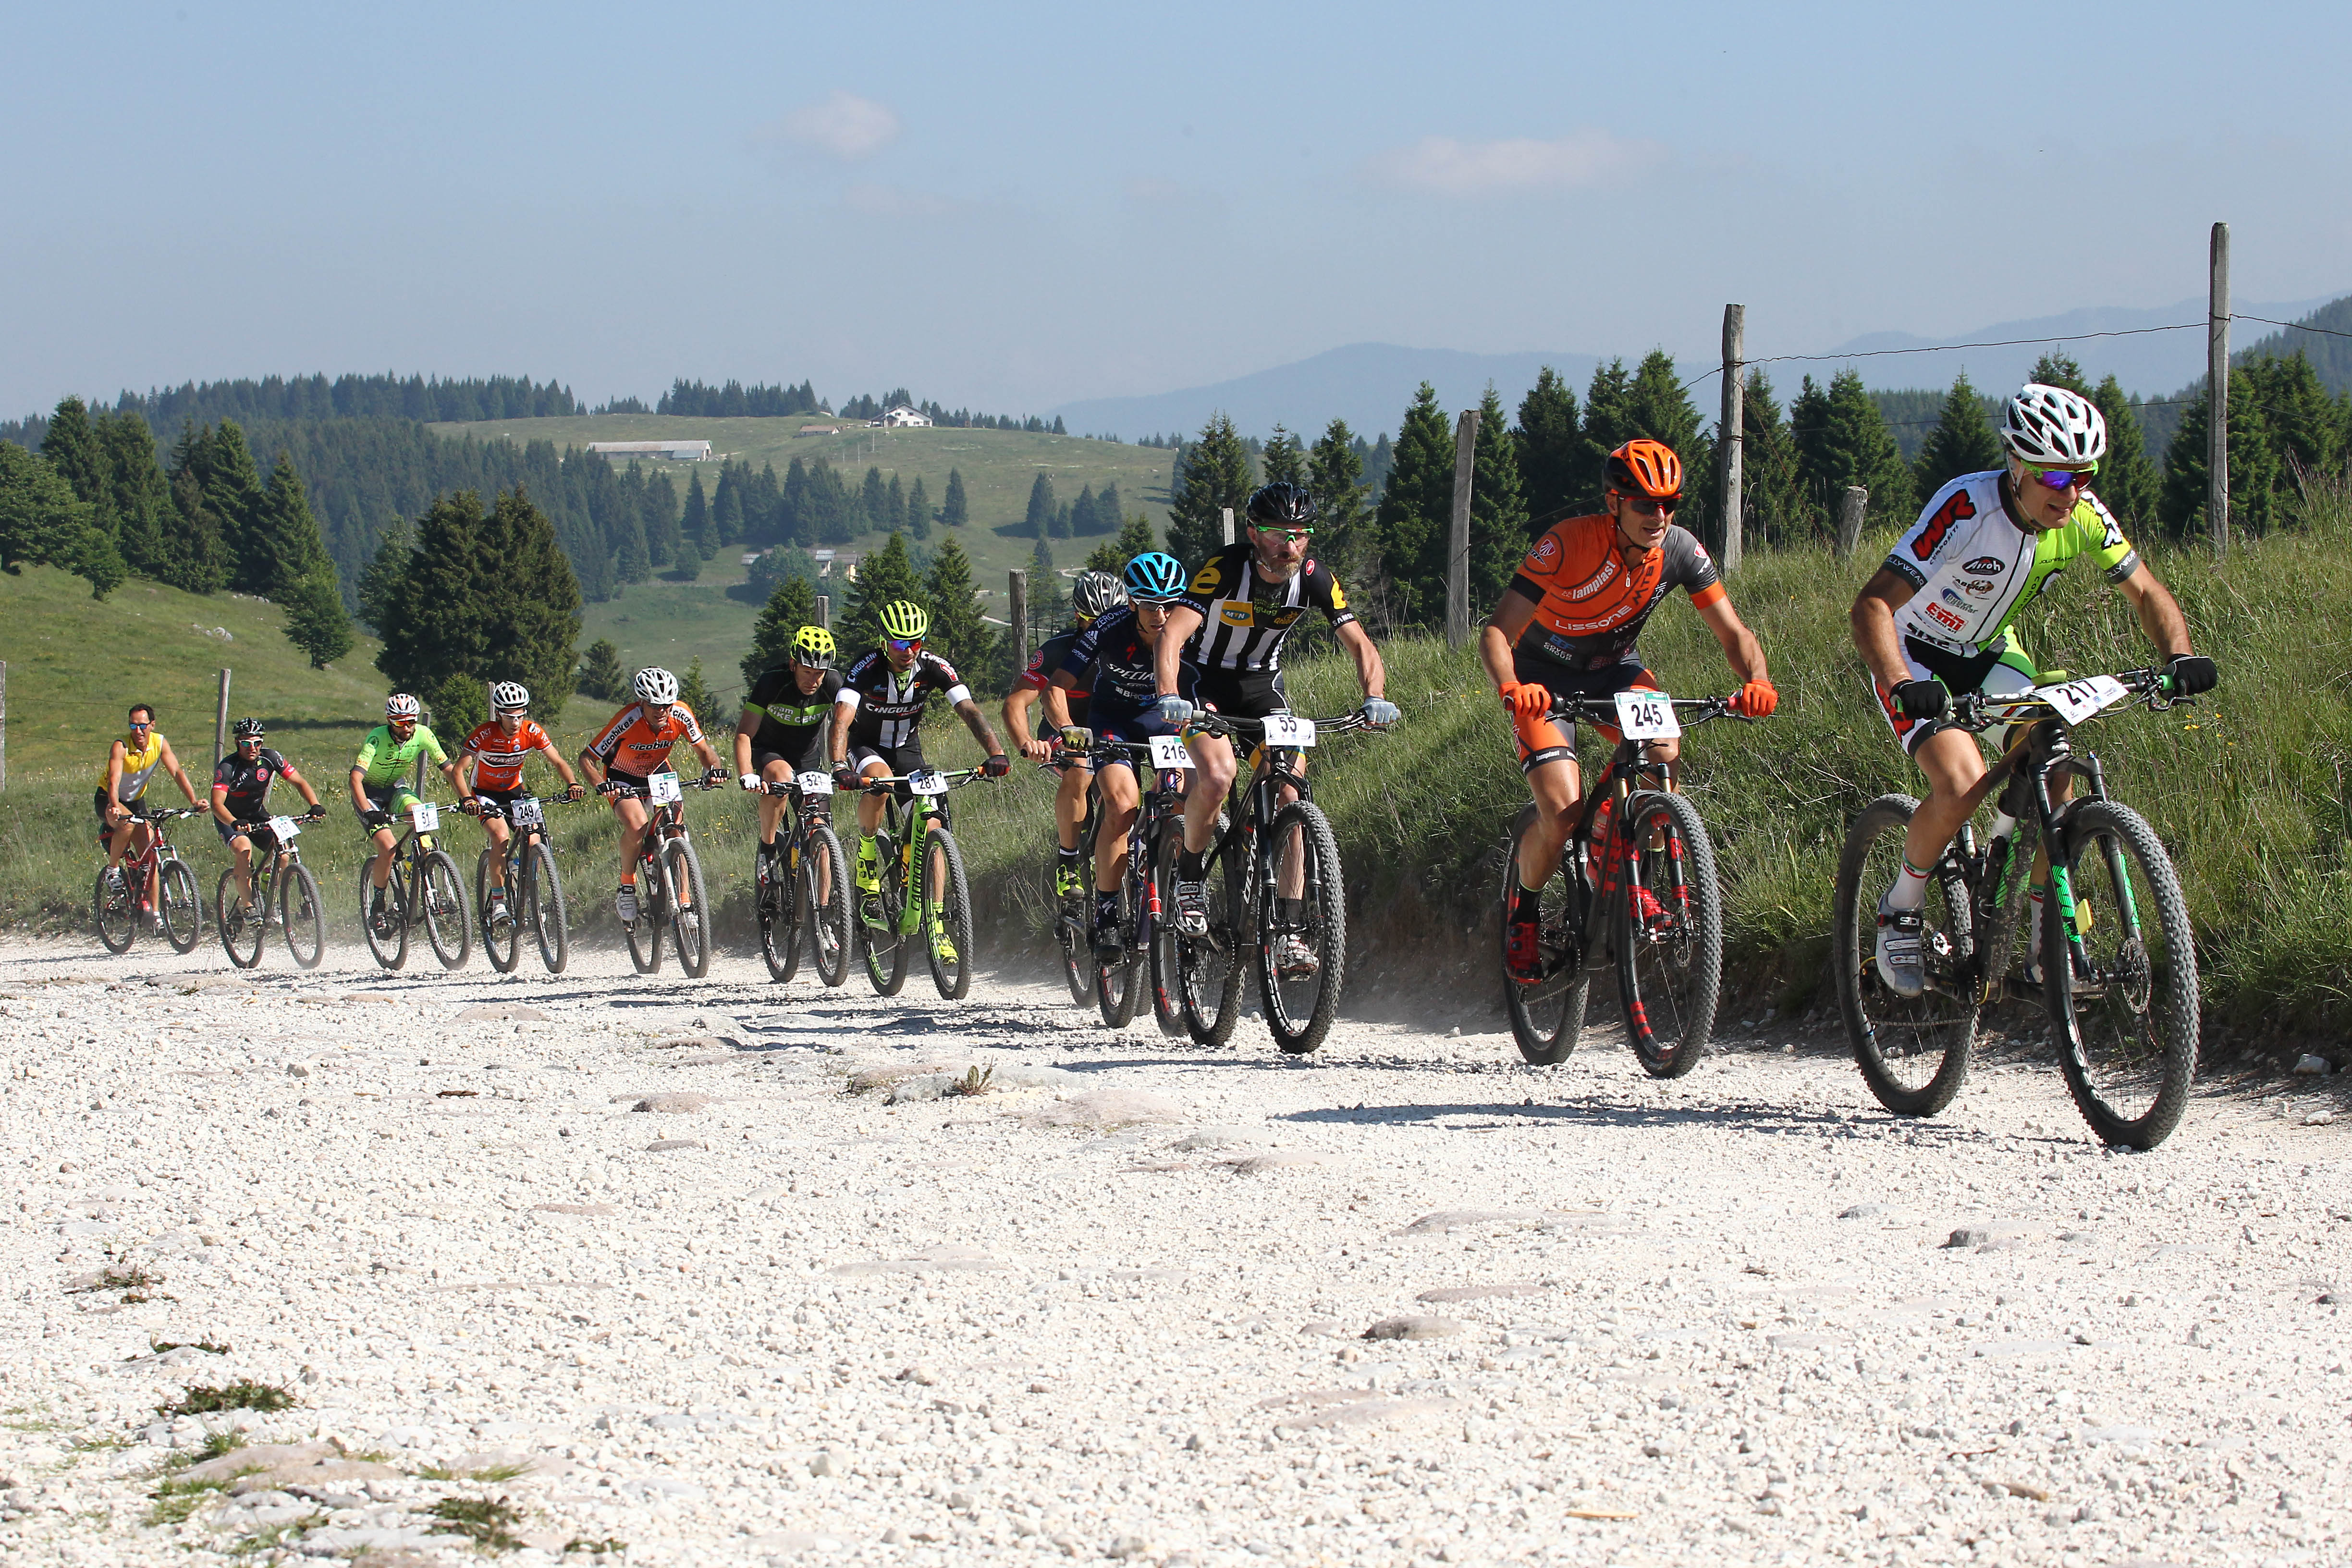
pixel 1403 1299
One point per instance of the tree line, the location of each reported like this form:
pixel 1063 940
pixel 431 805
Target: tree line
pixel 733 400
pixel 171 410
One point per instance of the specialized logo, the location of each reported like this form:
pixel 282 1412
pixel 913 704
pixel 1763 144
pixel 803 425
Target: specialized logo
pixel 1545 554
pixel 1956 510
pixel 1986 566
pixel 1594 583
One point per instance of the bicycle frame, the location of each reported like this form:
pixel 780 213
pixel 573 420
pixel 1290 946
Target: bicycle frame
pixel 1260 790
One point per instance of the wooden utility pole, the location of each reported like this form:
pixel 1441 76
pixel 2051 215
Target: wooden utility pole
pixel 1851 509
pixel 2217 379
pixel 824 611
pixel 220 723
pixel 1457 550
pixel 1016 582
pixel 1228 513
pixel 1730 432
pixel 4 724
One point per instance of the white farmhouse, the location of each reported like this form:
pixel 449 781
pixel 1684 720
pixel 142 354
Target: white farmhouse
pixel 675 451
pixel 899 416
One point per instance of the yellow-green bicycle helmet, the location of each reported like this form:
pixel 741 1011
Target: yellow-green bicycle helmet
pixel 904 618
pixel 813 646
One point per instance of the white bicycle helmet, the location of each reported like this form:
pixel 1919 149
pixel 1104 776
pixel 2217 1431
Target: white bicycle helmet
pixel 2052 426
pixel 656 685
pixel 400 705
pixel 508 696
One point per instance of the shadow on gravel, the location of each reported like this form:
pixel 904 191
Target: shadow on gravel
pixel 1751 1116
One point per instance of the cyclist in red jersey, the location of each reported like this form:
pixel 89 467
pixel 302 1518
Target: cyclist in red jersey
pixel 1567 625
pixel 633 746
pixel 489 768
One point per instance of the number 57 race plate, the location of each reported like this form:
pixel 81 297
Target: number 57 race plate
pixel 1647 716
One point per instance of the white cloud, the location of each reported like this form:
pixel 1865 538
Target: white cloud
pixel 843 125
pixel 1444 166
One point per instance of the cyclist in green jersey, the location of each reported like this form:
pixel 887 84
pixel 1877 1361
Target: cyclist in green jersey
pixel 380 775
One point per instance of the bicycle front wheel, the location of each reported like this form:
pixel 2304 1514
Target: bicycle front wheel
pixel 300 916
pixel 824 894
pixel 1070 935
pixel 543 909
pixel 878 939
pixel 1119 983
pixel 240 937
pixel 776 898
pixel 1669 934
pixel 2122 983
pixel 1210 967
pixel 653 908
pixel 947 916
pixel 1546 1018
pixel 501 939
pixel 1167 969
pixel 1302 954
pixel 183 906
pixel 441 900
pixel 1913 1051
pixel 387 936
pixel 114 913
pixel 689 913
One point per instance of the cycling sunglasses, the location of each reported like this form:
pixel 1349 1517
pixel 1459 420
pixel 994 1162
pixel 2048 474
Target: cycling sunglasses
pixel 142 723
pixel 1289 535
pixel 1652 506
pixel 903 644
pixel 2062 478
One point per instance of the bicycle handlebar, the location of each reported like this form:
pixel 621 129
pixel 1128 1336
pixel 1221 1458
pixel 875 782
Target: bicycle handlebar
pixel 1209 723
pixel 1604 710
pixel 956 779
pixel 614 788
pixel 1977 711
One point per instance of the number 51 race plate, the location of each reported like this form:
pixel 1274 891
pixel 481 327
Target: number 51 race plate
pixel 1647 716
pixel 426 816
pixel 662 789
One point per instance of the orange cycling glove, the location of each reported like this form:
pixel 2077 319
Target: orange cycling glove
pixel 1756 700
pixel 1526 698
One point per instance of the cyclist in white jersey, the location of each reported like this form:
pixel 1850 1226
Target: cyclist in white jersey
pixel 1936 619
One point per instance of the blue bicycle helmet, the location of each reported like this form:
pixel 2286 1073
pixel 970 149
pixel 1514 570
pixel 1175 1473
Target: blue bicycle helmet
pixel 1155 578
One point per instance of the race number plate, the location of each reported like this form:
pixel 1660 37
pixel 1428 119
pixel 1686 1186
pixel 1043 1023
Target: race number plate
pixel 1288 730
pixel 2078 699
pixel 662 789
pixel 1168 751
pixel 1647 716
pixel 926 782
pixel 423 815
pixel 814 783
pixel 526 813
pixel 286 828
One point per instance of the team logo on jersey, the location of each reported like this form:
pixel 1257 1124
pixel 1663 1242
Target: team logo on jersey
pixel 1545 554
pixel 1597 581
pixel 1698 549
pixel 1952 598
pixel 1339 595
pixel 1978 586
pixel 1986 566
pixel 1956 510
pixel 1207 578
pixel 1944 617
pixel 1236 613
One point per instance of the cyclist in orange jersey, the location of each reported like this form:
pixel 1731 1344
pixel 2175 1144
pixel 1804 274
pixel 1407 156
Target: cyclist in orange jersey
pixel 633 746
pixel 489 764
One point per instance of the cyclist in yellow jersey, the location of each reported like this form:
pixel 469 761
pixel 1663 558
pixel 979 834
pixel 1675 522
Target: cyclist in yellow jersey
pixel 121 798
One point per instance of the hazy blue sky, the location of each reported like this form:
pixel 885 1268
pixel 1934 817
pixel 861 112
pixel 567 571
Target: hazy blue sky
pixel 1013 206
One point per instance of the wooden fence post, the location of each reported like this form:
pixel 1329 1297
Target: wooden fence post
pixel 1731 433
pixel 220 722
pixel 1457 551
pixel 1851 509
pixel 824 611
pixel 1016 582
pixel 2217 380
pixel 4 724
pixel 1228 512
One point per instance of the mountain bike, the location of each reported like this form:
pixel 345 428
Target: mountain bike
pixel 808 858
pixel 534 893
pixel 425 889
pixel 282 887
pixel 930 899
pixel 121 900
pixel 1300 946
pixel 1635 890
pixel 1144 895
pixel 2118 960
pixel 669 879
pixel 1074 911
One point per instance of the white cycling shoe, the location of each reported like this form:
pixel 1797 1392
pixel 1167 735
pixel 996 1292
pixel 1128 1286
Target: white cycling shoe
pixel 1900 965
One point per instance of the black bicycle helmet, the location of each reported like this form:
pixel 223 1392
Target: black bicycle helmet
pixel 1282 505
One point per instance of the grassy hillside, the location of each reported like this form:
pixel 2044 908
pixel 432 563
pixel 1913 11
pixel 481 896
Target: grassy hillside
pixel 670 623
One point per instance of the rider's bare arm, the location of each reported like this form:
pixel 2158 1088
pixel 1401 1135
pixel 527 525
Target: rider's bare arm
pixel 1370 670
pixel 359 794
pixel 310 795
pixel 1167 655
pixel 1872 619
pixel 1739 643
pixel 1057 703
pixel 2160 612
pixel 179 774
pixel 221 812
pixel 1502 634
pixel 843 715
pixel 744 726
pixel 977 722
pixel 555 760
pixel 593 766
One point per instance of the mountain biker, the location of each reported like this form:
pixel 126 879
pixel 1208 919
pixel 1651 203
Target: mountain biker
pixel 1243 602
pixel 121 798
pixel 1934 619
pixel 240 801
pixel 490 765
pixel 380 788
pixel 777 734
pixel 1567 626
pixel 873 731
pixel 633 745
pixel 1093 595
pixel 1116 659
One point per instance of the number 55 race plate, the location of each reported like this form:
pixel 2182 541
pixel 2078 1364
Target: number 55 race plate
pixel 1647 716
pixel 1288 730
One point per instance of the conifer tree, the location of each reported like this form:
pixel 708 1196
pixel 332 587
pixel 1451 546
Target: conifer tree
pixel 1961 443
pixel 1038 521
pixel 2254 476
pixel 1608 424
pixel 71 446
pixel 303 578
pixel 1841 439
pixel 2304 425
pixel 1109 513
pixel 958 632
pixel 233 488
pixel 1550 440
pixel 883 575
pixel 1048 601
pixel 437 625
pixel 2130 481
pixel 2056 367
pixel 695 692
pixel 894 503
pixel 791 607
pixel 1344 538
pixel 485 597
pixel 1216 475
pixel 44 523
pixel 662 537
pixel 315 619
pixel 382 586
pixel 953 510
pixel 919 510
pixel 725 512
pixel 874 501
pixel 1498 511
pixel 1284 461
pixel 533 598
pixel 601 674
pixel 693 527
pixel 199 560
pixel 1772 492
pixel 1657 407
pixel 630 562
pixel 1082 515
pixel 1416 512
pixel 138 496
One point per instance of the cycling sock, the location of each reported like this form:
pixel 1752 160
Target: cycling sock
pixel 1069 854
pixel 1191 868
pixel 1526 902
pixel 628 878
pixel 1106 907
pixel 1910 889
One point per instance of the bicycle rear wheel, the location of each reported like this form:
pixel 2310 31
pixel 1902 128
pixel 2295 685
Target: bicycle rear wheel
pixel 440 893
pixel 776 898
pixel 115 912
pixel 1167 966
pixel 1070 936
pixel 1670 952
pixel 300 916
pixel 824 876
pixel 240 937
pixel 1118 984
pixel 543 909
pixel 501 943
pixel 1302 954
pixel 689 911
pixel 885 950
pixel 1913 1051
pixel 1546 1018
pixel 1210 967
pixel 653 909
pixel 183 906
pixel 947 915
pixel 2123 994
pixel 390 944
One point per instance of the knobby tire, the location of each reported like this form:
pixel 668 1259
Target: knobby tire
pixel 1299 1009
pixel 1669 969
pixel 1914 1052
pixel 1547 1017
pixel 301 916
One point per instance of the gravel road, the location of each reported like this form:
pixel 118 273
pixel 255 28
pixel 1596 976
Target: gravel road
pixel 718 1271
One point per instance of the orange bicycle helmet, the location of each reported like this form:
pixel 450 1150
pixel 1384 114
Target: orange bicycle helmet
pixel 1643 466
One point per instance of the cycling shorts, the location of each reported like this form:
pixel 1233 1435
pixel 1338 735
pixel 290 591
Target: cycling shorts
pixel 800 757
pixel 1236 693
pixel 2004 670
pixel 99 802
pixel 396 798
pixel 262 838
pixel 1124 723
pixel 901 759
pixel 503 799
pixel 1545 740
